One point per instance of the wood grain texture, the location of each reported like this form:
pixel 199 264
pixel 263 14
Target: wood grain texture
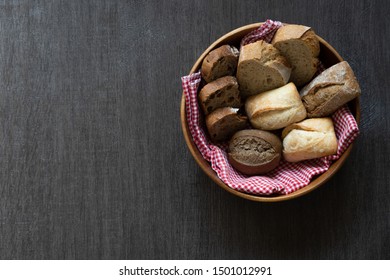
pixel 93 163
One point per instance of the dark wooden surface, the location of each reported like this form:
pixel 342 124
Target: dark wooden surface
pixel 93 164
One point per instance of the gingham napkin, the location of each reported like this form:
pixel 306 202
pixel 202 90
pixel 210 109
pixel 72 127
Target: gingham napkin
pixel 287 177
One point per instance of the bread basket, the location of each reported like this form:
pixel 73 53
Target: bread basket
pixel 329 57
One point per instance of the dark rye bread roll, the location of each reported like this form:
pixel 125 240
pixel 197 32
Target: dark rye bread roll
pixel 254 152
pixel 224 122
pixel 222 92
pixel 219 62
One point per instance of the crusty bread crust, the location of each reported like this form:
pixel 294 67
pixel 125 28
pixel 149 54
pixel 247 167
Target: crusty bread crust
pixel 330 90
pixel 261 67
pixel 311 138
pixel 290 31
pixel 219 62
pixel 276 108
pixel 222 92
pixel 254 152
pixel 224 122
pixel 300 45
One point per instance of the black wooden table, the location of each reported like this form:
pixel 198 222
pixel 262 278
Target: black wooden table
pixel 93 163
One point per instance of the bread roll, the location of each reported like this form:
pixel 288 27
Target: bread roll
pixel 224 122
pixel 300 45
pixel 260 68
pixel 254 152
pixel 311 138
pixel 222 92
pixel 276 108
pixel 330 90
pixel 219 62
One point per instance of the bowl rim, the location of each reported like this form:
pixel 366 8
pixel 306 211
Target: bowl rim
pixel 205 165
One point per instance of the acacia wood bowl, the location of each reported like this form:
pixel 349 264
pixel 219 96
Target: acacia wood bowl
pixel 329 57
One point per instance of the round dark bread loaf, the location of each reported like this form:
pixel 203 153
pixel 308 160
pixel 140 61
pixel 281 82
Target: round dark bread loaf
pixel 254 152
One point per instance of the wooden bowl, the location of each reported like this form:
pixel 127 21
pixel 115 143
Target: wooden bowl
pixel 329 57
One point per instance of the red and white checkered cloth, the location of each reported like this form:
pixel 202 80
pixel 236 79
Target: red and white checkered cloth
pixel 265 32
pixel 287 177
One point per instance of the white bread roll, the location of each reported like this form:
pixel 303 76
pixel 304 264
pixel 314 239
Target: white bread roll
pixel 311 138
pixel 276 108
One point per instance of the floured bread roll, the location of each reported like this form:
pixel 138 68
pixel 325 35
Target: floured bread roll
pixel 276 108
pixel 330 90
pixel 311 138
